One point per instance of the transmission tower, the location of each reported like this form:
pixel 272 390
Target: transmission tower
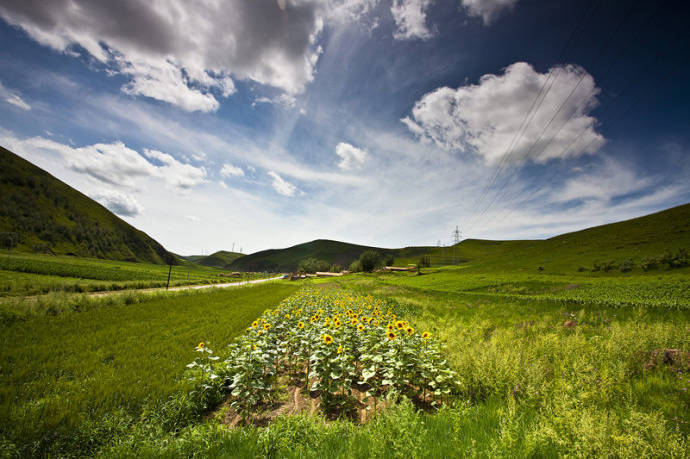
pixel 456 241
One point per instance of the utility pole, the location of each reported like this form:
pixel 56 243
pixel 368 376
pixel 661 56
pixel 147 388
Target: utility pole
pixel 456 241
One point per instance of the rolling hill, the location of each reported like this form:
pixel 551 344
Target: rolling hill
pixel 647 236
pixel 39 213
pixel 219 259
pixel 334 252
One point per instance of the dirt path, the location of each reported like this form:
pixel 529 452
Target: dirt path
pixel 184 287
pixel 146 290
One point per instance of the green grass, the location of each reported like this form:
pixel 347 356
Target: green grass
pixel 219 259
pixel 531 387
pixel 31 274
pixel 61 376
pixel 39 212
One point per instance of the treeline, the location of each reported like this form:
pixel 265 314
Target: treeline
pixel 668 260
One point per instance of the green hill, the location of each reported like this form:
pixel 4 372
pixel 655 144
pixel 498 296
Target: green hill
pixel 283 260
pixel 39 213
pixel 648 236
pixel 220 259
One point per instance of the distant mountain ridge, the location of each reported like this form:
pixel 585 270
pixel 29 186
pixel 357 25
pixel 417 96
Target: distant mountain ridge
pixel 40 213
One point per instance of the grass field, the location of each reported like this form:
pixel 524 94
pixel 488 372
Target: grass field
pixel 71 381
pixel 31 274
pixel 577 364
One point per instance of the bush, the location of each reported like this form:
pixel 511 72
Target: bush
pixel 355 266
pixel 605 266
pixel 627 265
pixel 424 262
pixel 312 265
pixel 370 260
pixel 648 263
pixel 336 268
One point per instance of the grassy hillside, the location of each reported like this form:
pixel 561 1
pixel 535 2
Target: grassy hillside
pixel 220 259
pixel 39 213
pixel 279 260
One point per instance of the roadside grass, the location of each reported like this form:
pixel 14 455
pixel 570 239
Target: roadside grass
pixel 33 274
pixel 70 382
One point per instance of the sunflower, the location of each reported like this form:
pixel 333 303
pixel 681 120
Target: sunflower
pixel 426 335
pixel 328 339
pixel 201 345
pixel 287 316
pixel 400 325
pixel 360 327
pixel 259 333
pixel 300 324
pixel 354 321
pixel 255 324
pixel 409 330
pixel 253 347
pixel 391 335
pixel 390 327
pixel 340 349
pixel 267 326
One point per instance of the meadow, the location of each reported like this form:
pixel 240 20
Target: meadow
pixel 34 274
pixel 542 365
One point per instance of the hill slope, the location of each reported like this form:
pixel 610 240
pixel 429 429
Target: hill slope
pixel 281 260
pixel 219 259
pixel 40 213
pixel 650 235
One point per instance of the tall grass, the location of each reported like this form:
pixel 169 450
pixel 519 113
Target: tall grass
pixel 67 375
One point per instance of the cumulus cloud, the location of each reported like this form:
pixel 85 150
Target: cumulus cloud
pixel 351 156
pixel 13 98
pixel 486 118
pixel 410 19
pixel 281 186
pixel 115 164
pixel 228 170
pixel 186 54
pixel 488 10
pixel 119 203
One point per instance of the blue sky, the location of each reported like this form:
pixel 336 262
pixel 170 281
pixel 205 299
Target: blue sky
pixel 269 123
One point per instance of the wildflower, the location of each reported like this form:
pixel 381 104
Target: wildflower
pixel 328 339
pixel 255 324
pixel 400 325
pixel 253 347
pixel 354 321
pixel 426 335
pixel 409 330
pixel 201 345
pixel 259 333
pixel 390 327
pixel 267 326
pixel 300 324
pixel 287 316
pixel 391 335
pixel 360 327
pixel 340 349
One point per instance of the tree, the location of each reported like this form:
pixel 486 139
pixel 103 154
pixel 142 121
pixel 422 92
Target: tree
pixel 370 260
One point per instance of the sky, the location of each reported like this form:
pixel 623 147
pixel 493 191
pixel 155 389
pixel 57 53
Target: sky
pixel 257 124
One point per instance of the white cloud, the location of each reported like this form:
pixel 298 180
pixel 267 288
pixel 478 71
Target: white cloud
pixel 119 203
pixel 410 19
pixel 488 10
pixel 193 218
pixel 187 54
pixel 484 119
pixel 175 173
pixel 351 156
pixel 281 186
pixel 228 170
pixel 13 98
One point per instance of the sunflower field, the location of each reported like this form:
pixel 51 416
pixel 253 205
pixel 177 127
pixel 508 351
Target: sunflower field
pixel 331 343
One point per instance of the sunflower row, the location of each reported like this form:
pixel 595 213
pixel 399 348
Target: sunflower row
pixel 333 342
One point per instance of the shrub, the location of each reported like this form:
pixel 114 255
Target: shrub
pixel 370 260
pixel 424 262
pixel 355 266
pixel 648 263
pixel 627 265
pixel 336 268
pixel 312 265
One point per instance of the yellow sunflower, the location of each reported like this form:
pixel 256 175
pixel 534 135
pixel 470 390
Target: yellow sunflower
pixel 255 324
pixel 300 324
pixel 400 325
pixel 426 335
pixel 409 330
pixel 201 345
pixel 390 335
pixel 328 339
pixel 360 327
pixel 340 349
pixel 267 326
